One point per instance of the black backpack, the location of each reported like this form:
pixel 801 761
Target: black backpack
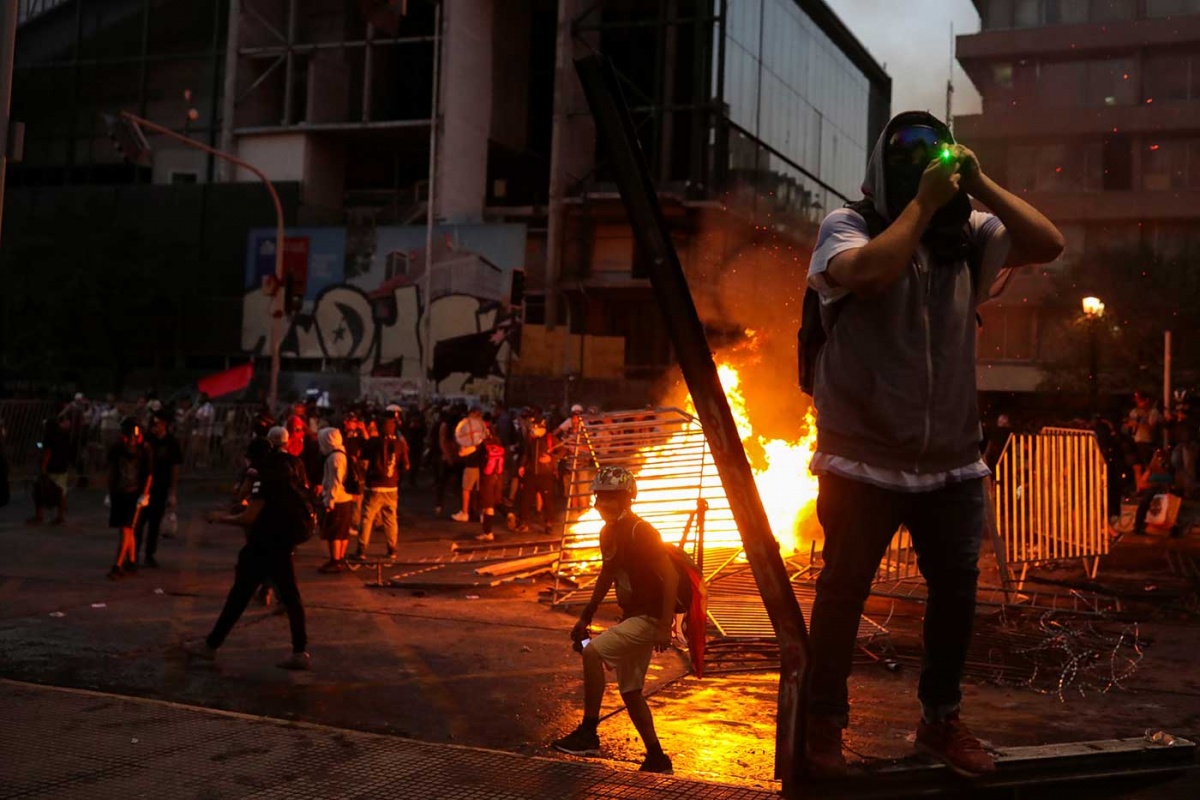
pixel 298 509
pixel 356 474
pixel 812 334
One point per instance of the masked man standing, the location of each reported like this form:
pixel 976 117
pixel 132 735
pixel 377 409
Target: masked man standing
pixel 899 277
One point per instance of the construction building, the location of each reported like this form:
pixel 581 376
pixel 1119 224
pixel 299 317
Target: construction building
pixel 407 136
pixel 1091 112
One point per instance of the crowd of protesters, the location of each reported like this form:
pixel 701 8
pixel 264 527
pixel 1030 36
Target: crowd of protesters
pixel 1148 452
pixel 495 467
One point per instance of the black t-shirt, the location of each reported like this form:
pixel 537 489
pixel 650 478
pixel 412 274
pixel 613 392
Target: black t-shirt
pixel 128 468
pixel 632 546
pixel 167 454
pixel 386 457
pixel 269 483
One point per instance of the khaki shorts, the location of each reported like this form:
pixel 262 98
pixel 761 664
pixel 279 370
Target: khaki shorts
pixel 470 478
pixel 627 648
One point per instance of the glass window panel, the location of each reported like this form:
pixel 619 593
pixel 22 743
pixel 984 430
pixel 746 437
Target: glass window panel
pixel 1111 83
pixel 1022 168
pixel 1028 14
pixel 1112 10
pixel 1166 76
pixel 1164 165
pixel 1061 83
pixel 1193 162
pixel 999 15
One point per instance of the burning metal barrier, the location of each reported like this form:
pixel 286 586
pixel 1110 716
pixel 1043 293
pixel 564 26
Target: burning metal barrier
pixel 680 493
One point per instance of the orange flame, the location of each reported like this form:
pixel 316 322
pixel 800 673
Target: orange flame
pixel 787 488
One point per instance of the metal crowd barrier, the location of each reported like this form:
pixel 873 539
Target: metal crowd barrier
pixel 208 451
pixel 1051 498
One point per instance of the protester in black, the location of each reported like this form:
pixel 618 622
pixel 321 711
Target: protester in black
pixel 167 455
pixel 538 473
pixel 386 457
pixel 130 470
pixel 272 523
pixel 58 453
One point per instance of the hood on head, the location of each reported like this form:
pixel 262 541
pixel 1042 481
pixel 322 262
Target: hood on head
pixel 874 187
pixel 329 439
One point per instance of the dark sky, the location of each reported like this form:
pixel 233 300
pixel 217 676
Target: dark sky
pixel 911 38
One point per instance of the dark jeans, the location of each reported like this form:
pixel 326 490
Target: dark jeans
pixel 150 522
pixel 859 519
pixel 531 487
pixel 255 565
pixel 445 476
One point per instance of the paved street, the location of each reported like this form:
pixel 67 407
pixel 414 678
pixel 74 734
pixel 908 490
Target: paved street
pixel 486 668
pixel 108 746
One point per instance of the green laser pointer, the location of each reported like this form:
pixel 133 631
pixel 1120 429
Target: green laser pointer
pixel 946 154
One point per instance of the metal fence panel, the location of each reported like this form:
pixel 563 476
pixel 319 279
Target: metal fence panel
pixel 1050 496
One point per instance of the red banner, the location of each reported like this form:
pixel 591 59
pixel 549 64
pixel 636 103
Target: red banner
pixel 231 380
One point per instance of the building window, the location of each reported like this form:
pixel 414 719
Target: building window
pixel 1111 237
pixel 1111 10
pixel 1171 164
pixel 535 309
pixel 1075 167
pixel 1169 76
pixel 1008 334
pixel 1038 13
pixel 1172 8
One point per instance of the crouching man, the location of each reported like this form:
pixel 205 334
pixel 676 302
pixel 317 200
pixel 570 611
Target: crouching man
pixel 636 560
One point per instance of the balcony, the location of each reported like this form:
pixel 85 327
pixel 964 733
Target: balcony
pixel 1084 40
pixel 1019 121
pixel 1116 206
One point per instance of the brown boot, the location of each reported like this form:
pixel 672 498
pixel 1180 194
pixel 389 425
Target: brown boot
pixel 950 742
pixel 823 748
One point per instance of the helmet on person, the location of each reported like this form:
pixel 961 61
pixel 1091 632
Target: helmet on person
pixel 615 479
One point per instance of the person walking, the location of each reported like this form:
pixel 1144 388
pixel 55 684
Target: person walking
pixel 130 475
pixel 335 499
pixel 166 456
pixel 274 520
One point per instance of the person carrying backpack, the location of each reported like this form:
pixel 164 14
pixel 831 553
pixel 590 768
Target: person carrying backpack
pixel 276 518
pixel 337 498
pixel 386 457
pixel 491 481
pixel 897 418
pixel 638 563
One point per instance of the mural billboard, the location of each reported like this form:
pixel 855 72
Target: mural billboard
pixel 365 300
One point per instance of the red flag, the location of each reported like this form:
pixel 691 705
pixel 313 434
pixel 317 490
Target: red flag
pixel 234 379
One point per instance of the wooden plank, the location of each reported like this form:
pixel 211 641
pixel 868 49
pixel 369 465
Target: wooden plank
pixel 517 565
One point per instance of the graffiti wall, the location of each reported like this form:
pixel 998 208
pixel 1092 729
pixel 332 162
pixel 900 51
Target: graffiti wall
pixel 369 297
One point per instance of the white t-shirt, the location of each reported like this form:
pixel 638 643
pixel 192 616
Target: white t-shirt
pixel 845 230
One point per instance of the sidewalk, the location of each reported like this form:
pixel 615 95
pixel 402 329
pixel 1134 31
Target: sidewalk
pixel 68 743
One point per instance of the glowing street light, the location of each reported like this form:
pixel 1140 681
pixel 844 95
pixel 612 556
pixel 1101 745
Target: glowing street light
pixel 1093 310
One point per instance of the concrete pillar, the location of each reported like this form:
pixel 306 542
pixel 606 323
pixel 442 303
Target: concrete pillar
pixel 466 109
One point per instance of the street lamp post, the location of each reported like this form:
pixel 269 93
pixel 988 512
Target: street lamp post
pixel 1093 311
pixel 277 296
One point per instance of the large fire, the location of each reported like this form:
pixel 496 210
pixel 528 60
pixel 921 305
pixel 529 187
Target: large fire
pixel 787 488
